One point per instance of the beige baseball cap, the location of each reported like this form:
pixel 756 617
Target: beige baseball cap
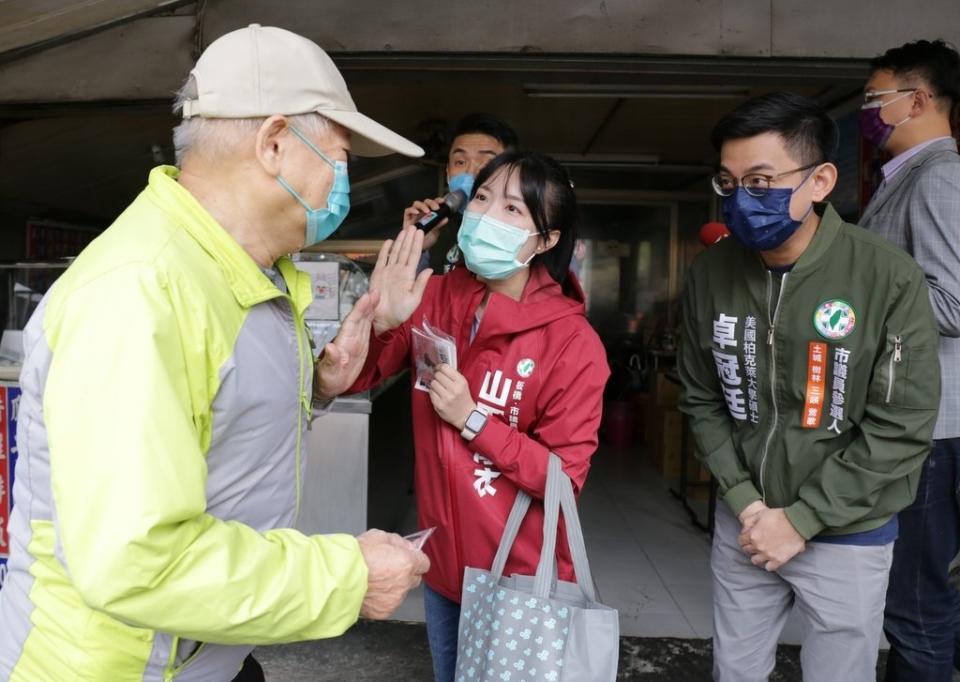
pixel 262 70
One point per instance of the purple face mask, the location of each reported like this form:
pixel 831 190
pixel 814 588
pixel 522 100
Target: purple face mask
pixel 872 126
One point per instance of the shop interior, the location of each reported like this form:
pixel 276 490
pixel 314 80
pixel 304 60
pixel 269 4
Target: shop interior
pixel 634 133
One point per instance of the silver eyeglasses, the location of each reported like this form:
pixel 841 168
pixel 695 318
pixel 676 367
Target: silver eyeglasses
pixel 871 95
pixel 754 184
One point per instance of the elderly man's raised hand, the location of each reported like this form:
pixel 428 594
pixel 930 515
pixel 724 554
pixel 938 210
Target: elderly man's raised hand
pixel 394 567
pixel 343 358
pixel 395 277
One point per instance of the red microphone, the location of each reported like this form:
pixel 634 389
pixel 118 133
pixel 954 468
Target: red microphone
pixel 711 233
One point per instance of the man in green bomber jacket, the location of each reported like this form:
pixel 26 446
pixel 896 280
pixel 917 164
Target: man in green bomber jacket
pixel 811 379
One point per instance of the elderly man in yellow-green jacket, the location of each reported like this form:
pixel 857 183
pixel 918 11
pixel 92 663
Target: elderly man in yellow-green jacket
pixel 167 388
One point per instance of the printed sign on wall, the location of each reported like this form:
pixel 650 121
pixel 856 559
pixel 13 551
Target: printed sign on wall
pixel 9 405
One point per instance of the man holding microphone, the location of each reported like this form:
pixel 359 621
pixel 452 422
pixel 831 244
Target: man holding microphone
pixel 477 138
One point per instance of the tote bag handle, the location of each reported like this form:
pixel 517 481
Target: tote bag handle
pixel 559 495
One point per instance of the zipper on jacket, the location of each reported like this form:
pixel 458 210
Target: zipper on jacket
pixel 454 516
pixel 173 669
pixel 306 407
pixel 895 359
pixel 773 314
pixel 308 399
pixel 303 401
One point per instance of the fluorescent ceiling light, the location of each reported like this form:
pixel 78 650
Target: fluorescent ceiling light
pixel 649 91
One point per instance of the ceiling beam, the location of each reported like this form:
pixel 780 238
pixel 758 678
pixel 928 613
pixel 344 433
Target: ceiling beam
pixel 146 59
pixel 31 26
pixel 595 70
pixel 32 110
pixel 59 74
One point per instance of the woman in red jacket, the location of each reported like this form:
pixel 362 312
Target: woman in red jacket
pixel 530 375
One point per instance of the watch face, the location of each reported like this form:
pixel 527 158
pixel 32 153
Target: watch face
pixel 476 420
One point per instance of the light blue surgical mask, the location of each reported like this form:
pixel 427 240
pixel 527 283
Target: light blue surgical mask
pixel 490 247
pixel 463 182
pixel 322 222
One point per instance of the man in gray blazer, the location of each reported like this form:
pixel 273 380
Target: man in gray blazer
pixel 911 94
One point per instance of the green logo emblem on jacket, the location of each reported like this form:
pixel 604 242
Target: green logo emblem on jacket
pixel 525 367
pixel 835 319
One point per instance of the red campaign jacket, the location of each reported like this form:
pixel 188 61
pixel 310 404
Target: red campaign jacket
pixel 537 361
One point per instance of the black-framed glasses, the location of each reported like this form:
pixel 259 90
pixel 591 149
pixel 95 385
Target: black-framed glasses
pixel 754 184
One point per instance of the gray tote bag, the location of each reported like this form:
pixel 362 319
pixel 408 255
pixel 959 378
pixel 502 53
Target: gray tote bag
pixel 536 628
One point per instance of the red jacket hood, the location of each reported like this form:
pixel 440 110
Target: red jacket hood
pixel 543 301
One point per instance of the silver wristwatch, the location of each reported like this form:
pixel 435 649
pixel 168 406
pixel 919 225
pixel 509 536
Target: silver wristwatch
pixel 474 425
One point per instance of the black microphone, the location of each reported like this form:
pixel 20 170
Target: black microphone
pixel 451 203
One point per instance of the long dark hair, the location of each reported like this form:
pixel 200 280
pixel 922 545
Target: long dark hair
pixel 548 194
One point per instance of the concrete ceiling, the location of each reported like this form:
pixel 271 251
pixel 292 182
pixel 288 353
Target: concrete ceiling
pixel 28 27
pixel 85 86
pixel 742 28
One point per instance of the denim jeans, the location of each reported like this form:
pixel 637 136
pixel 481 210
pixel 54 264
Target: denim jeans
pixel 443 621
pixel 922 617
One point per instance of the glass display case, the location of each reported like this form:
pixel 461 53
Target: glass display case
pixel 335 476
pixel 337 284
pixel 24 284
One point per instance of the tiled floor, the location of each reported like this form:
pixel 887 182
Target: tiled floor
pixel 648 560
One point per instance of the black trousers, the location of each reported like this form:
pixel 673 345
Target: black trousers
pixel 250 672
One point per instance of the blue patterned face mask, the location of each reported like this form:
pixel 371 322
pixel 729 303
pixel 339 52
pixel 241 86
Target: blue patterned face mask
pixel 463 182
pixel 762 223
pixel 490 247
pixel 322 222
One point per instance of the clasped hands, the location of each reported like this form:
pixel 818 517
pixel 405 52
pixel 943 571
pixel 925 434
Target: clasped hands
pixel 768 537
